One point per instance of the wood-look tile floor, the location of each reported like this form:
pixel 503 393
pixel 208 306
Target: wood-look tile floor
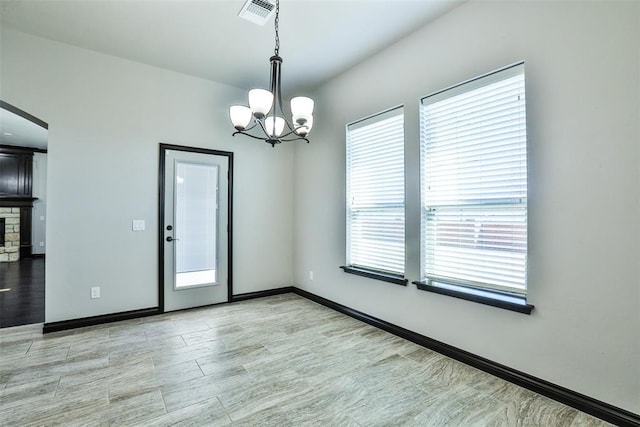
pixel 276 361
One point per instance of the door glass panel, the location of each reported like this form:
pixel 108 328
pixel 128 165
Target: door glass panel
pixel 196 224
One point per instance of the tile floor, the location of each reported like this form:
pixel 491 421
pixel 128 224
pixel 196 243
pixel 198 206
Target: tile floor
pixel 276 361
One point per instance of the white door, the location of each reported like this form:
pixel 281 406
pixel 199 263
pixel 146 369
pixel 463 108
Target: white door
pixel 195 230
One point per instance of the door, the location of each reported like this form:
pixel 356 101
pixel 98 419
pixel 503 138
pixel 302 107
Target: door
pixel 196 202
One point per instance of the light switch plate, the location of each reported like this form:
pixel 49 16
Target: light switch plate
pixel 138 225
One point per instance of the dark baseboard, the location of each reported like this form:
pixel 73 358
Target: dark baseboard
pixel 126 315
pixel 597 408
pixel 97 320
pixel 37 255
pixel 260 294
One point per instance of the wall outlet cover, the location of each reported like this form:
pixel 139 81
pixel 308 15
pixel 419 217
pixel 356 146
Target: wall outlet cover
pixel 138 225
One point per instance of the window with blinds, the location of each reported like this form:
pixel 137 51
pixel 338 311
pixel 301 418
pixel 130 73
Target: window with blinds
pixel 375 192
pixel 474 186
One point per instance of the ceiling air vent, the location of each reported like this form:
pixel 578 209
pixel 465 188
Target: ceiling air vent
pixel 257 11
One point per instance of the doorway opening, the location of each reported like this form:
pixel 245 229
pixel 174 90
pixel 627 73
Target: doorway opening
pixel 23 196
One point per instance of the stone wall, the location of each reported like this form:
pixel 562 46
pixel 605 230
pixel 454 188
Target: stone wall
pixel 11 249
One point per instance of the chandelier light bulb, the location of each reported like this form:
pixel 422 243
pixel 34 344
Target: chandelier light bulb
pixel 260 102
pixel 301 107
pixel 268 124
pixel 240 116
pixel 303 130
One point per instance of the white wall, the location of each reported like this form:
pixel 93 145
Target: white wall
pixel 106 118
pixel 39 212
pixel 583 93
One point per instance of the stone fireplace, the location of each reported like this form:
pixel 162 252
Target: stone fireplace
pixel 10 241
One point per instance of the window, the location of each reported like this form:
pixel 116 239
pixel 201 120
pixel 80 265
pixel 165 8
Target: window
pixel 474 190
pixel 375 196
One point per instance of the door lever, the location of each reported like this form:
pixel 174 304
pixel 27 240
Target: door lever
pixel 171 239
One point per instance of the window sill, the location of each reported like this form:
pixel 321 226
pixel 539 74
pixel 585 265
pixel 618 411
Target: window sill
pixel 375 274
pixel 492 298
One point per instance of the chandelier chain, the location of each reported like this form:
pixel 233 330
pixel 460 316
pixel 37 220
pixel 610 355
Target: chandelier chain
pixel 277 22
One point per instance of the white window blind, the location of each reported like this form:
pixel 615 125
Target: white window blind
pixel 474 184
pixel 375 192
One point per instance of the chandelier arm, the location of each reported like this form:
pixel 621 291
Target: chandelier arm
pixel 292 126
pixel 289 133
pixel 248 134
pixel 279 86
pixel 300 138
pixel 264 129
pixel 275 90
pixel 255 123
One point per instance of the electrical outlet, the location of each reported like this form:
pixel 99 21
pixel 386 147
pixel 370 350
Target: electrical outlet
pixel 41 244
pixel 138 225
pixel 311 275
pixel 95 292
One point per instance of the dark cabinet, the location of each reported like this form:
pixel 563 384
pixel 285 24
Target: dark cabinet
pixel 26 248
pixel 16 171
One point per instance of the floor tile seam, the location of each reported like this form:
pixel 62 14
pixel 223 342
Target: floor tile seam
pixel 183 340
pixel 164 403
pixel 74 406
pixel 132 394
pixel 44 379
pixel 16 346
pixel 226 412
pixel 55 391
pixel 196 401
pixel 200 367
pixel 30 345
pixel 109 392
pixel 28 401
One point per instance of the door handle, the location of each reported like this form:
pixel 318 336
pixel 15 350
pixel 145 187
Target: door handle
pixel 171 239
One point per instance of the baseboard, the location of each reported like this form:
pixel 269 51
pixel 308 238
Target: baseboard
pixel 597 408
pixel 126 315
pixel 97 320
pixel 260 294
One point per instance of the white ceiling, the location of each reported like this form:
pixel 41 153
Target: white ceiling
pixel 206 38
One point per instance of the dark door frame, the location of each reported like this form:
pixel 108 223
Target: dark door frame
pixel 161 216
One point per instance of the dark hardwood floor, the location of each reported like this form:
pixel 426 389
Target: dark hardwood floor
pixel 24 303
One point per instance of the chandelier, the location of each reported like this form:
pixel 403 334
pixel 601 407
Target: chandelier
pixel 264 118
